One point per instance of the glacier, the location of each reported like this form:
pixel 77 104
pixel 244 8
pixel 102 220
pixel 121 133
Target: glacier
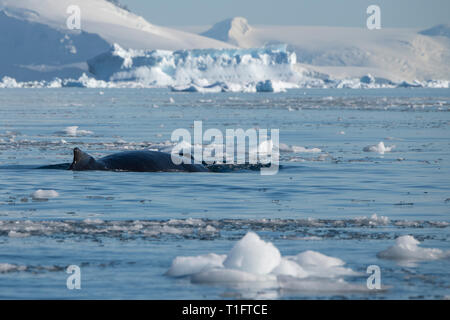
pixel 209 70
pixel 267 69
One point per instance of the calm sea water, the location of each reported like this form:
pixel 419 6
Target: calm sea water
pixel 124 229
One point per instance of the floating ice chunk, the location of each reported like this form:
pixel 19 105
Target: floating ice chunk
pixel 189 221
pixel 379 220
pixel 373 220
pixel 255 263
pixel 318 285
pixel 310 238
pixel 7 267
pixel 265 149
pixel 406 248
pixel 83 132
pixel 93 221
pixel 172 230
pixel 86 82
pixel 316 259
pixel 320 265
pixel 290 268
pixel 8 82
pixel 182 266
pixel 228 276
pixel 210 229
pixel 380 148
pixel 15 234
pixel 284 147
pixel 298 149
pixel 251 254
pixel 44 194
pixel 73 131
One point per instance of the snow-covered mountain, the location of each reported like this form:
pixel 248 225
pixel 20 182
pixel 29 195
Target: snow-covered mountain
pixel 442 30
pixel 396 54
pixel 37 44
pixel 32 50
pixel 110 22
pixel 116 47
pixel 232 31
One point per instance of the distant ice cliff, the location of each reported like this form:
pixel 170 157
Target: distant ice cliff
pixel 191 70
pixel 267 69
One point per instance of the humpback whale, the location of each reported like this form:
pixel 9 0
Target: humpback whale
pixel 146 161
pixel 138 161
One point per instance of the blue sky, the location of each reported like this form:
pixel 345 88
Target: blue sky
pixel 348 13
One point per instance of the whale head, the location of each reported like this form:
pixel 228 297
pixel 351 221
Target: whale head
pixel 82 161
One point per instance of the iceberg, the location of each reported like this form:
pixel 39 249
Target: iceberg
pixel 407 248
pixel 255 263
pixel 259 69
pixel 268 69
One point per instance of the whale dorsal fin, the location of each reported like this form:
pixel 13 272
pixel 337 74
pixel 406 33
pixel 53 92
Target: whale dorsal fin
pixel 81 160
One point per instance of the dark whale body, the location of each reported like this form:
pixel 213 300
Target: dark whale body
pixel 146 161
pixel 137 161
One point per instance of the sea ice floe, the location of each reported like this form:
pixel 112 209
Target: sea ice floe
pixel 379 148
pixel 253 260
pixel 298 149
pixel 14 234
pixel 251 254
pixel 182 266
pixel 373 220
pixel 227 276
pixel 407 248
pixel 299 229
pixel 289 283
pixel 41 194
pixel 93 221
pixel 290 268
pixel 73 131
pixel 7 267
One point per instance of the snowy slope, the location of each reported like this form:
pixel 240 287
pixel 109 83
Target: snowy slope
pixel 37 45
pixel 112 23
pixel 119 48
pixel 232 31
pixel 442 30
pixel 32 50
pixel 396 54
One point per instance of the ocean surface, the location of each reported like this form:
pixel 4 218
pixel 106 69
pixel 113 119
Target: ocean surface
pixel 333 194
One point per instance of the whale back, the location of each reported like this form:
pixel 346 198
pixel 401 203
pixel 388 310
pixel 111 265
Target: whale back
pixel 82 161
pixel 137 161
